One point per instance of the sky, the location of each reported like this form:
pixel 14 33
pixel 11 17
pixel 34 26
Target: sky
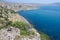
pixel 34 1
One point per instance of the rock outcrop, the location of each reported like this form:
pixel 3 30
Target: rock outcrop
pixel 9 33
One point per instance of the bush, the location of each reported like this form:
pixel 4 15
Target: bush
pixel 44 36
pixel 20 25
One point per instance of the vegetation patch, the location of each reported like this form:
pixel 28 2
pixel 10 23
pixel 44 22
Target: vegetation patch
pixel 23 28
pixel 44 36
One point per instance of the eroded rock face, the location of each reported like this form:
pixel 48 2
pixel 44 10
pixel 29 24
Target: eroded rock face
pixel 14 34
pixel 9 33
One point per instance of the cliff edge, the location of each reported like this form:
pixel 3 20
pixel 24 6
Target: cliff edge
pixel 15 27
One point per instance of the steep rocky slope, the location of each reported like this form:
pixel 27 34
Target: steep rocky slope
pixel 15 27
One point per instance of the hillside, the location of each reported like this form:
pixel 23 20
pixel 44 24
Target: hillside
pixel 15 27
pixel 11 21
pixel 17 6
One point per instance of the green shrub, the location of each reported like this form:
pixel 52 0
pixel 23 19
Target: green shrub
pixel 1 27
pixel 32 33
pixel 23 28
pixel 20 25
pixel 24 32
pixel 44 36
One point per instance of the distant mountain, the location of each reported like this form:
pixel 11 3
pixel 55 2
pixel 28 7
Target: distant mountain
pixel 55 4
pixel 36 4
pixel 2 0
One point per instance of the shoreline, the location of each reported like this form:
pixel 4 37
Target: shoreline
pixel 41 33
pixel 17 7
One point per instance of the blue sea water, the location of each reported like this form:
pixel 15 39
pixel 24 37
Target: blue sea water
pixel 45 19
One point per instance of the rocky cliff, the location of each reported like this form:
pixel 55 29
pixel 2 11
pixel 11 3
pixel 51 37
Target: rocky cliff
pixel 15 27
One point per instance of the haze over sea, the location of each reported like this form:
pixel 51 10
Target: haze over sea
pixel 45 19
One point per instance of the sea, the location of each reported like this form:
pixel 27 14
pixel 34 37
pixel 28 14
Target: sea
pixel 45 19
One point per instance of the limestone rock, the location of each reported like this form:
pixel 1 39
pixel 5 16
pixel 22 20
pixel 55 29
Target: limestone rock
pixel 9 33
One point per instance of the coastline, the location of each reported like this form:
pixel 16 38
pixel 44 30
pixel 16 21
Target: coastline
pixel 42 35
pixel 17 7
pixel 18 17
